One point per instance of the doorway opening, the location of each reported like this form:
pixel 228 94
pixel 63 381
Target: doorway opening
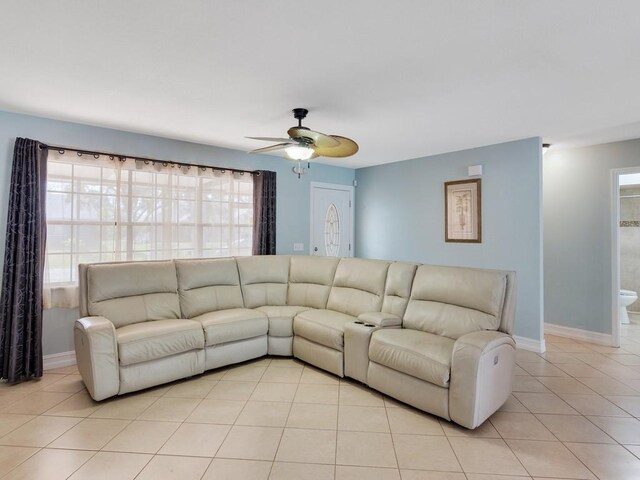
pixel 625 251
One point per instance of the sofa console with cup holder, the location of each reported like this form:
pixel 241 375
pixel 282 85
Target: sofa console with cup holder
pixel 437 338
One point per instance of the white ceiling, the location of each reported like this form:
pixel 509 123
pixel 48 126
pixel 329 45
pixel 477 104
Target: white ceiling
pixel 404 78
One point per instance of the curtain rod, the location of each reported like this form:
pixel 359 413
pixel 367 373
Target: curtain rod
pixel 96 154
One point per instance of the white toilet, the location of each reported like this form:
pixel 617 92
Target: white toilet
pixel 627 297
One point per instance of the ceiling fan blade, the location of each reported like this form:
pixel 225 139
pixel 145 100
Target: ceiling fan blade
pixel 271 148
pixel 346 148
pixel 318 139
pixel 273 139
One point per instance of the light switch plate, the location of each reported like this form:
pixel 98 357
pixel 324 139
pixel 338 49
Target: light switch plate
pixel 298 247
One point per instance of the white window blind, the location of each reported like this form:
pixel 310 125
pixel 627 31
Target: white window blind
pixel 105 209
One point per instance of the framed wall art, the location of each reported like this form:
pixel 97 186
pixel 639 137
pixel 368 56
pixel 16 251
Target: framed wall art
pixel 463 211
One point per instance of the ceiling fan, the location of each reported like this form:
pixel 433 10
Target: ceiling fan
pixel 304 144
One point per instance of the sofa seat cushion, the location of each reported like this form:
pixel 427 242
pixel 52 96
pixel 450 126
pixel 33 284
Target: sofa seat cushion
pixel 231 325
pixel 156 339
pixel 325 327
pixel 281 319
pixel 416 353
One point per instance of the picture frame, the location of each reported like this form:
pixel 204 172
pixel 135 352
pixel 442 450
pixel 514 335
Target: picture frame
pixel 463 211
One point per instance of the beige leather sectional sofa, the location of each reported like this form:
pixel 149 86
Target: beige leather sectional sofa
pixel 437 338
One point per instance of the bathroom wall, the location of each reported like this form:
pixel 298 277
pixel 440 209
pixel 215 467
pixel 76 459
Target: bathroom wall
pixel 630 242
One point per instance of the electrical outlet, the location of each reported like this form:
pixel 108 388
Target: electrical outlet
pixel 298 247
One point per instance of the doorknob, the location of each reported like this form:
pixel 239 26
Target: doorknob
pixel 315 249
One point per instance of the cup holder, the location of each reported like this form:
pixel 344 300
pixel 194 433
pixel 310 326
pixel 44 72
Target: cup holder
pixel 364 324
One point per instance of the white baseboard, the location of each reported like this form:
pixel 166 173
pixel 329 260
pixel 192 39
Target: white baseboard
pixel 537 346
pixel 58 360
pixel 579 334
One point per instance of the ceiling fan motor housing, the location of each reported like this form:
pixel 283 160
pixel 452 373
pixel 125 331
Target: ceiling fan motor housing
pixel 300 113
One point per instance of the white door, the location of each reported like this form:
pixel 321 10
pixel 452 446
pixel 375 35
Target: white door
pixel 331 220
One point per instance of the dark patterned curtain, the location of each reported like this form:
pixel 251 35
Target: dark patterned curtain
pixel 264 213
pixel 22 278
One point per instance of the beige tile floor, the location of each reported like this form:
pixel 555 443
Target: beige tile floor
pixel 574 413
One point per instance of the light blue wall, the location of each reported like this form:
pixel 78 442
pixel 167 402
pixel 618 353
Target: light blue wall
pixel 293 194
pixel 400 216
pixel 577 232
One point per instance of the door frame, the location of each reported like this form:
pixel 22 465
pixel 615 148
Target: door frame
pixel 615 250
pixel 352 205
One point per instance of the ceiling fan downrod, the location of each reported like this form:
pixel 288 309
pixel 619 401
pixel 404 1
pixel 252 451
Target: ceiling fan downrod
pixel 300 114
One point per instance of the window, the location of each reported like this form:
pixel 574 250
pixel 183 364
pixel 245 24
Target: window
pixel 105 209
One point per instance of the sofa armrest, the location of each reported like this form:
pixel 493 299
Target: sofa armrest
pixel 482 369
pixel 97 356
pixel 380 319
pixel 357 336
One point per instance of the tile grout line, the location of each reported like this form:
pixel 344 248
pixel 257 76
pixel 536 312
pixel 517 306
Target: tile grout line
pixel 393 442
pixel 456 455
pixel 275 455
pixel 576 413
pixel 228 431
pixel 335 456
pixel 83 463
pixel 236 419
pixel 39 449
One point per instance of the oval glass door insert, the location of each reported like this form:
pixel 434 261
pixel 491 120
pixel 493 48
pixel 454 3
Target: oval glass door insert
pixel 332 231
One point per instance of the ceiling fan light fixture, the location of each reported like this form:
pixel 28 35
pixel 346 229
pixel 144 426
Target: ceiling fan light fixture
pixel 299 152
pixel 304 144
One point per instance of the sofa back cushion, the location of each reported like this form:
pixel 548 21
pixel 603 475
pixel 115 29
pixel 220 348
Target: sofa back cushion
pixel 310 280
pixel 453 301
pixel 358 286
pixel 132 292
pixel 264 280
pixel 208 285
pixel 397 288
